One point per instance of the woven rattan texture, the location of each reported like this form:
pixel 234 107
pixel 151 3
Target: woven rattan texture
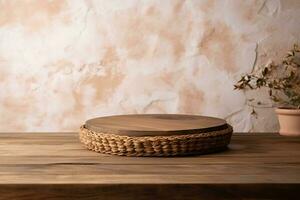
pixel 177 145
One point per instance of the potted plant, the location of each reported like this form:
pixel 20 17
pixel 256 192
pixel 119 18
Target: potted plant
pixel 282 83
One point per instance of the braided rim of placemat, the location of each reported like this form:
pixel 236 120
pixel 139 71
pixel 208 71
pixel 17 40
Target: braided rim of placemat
pixel 174 145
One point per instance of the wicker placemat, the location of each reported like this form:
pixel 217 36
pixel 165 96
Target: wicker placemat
pixel 155 135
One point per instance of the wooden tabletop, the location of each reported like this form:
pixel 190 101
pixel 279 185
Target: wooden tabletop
pixel 155 124
pixel 44 165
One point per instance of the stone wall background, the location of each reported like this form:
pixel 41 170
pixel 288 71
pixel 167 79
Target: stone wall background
pixel 64 61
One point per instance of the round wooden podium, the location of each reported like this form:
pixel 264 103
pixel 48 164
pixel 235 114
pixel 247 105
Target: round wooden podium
pixel 155 134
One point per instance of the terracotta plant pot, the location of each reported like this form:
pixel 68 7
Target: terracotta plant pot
pixel 289 121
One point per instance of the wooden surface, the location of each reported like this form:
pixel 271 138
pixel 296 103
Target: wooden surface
pixel 154 124
pixel 56 166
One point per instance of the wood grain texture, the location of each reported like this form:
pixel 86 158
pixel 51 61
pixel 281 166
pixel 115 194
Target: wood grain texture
pixel 150 191
pixel 56 166
pixel 154 124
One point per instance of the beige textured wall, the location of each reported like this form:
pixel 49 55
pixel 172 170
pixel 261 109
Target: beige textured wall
pixel 64 61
